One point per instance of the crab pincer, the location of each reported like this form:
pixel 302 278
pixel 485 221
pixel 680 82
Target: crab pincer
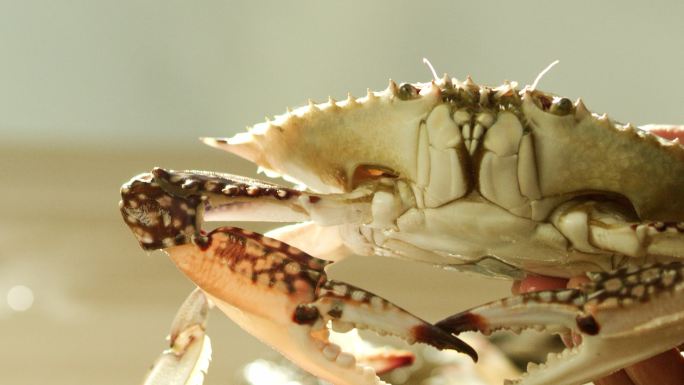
pixel 187 359
pixel 623 317
pixel 276 292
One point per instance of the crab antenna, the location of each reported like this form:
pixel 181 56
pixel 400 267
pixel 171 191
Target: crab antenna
pixel 432 69
pixel 541 75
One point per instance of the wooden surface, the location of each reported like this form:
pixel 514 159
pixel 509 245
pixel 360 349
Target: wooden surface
pixel 102 306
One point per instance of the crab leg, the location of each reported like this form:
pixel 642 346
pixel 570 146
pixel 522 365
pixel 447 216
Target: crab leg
pixel 187 360
pixel 614 314
pixel 273 290
pixel 593 226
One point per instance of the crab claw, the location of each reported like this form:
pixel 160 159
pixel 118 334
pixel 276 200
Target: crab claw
pixel 273 290
pixel 623 317
pixel 187 360
pixel 165 208
pixel 282 296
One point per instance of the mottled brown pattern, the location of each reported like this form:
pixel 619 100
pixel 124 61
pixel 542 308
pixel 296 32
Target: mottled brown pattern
pixel 200 182
pixel 630 284
pixel 152 204
pixel 157 218
pixel 463 322
pixel 621 287
pixel 346 292
pixel 265 260
pixel 163 208
pixel 562 296
pixel 273 245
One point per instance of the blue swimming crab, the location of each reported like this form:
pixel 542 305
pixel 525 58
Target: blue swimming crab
pixel 503 181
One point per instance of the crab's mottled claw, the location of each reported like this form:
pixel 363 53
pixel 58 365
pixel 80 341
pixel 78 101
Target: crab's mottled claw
pixel 273 290
pixel 623 317
pixel 349 305
pixel 165 208
pixel 282 296
pixel 187 359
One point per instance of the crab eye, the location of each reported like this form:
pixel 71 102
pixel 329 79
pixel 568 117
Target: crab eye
pixel 561 106
pixel 407 92
pixel 365 172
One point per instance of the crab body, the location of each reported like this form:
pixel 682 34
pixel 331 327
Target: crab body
pixel 499 181
pixel 495 180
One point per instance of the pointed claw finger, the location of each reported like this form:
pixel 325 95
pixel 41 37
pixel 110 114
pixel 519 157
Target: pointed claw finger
pixel 546 310
pixel 193 311
pixel 187 360
pixel 345 303
pixel 385 362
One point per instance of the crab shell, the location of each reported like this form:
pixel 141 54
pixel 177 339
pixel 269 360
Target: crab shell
pixel 495 180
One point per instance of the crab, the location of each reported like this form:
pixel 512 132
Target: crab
pixel 502 181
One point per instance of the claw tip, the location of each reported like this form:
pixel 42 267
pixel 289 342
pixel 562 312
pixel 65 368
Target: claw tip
pixel 441 339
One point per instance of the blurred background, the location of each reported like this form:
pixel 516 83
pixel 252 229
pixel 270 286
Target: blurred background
pixel 94 92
